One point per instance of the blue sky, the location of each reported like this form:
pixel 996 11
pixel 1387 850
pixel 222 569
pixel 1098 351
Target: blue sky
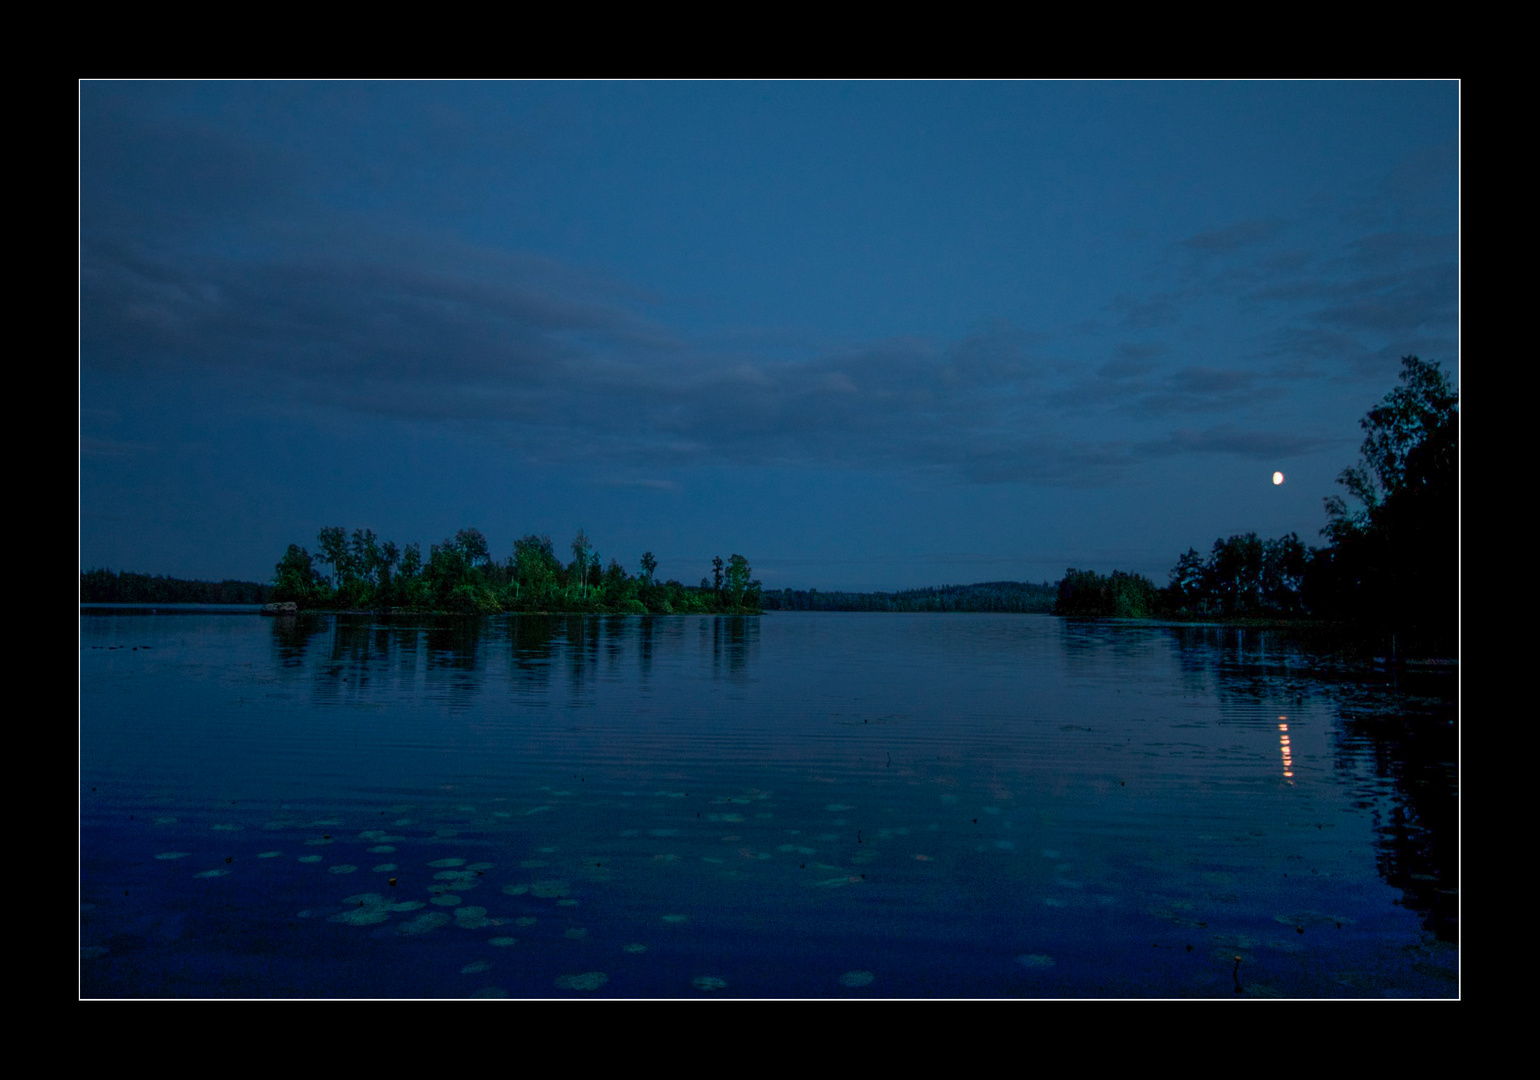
pixel 870 335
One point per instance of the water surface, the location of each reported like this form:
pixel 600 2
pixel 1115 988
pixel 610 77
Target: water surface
pixel 793 805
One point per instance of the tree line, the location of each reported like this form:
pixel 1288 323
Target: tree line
pixel 1391 562
pixel 111 587
pixel 359 571
pixel 1002 596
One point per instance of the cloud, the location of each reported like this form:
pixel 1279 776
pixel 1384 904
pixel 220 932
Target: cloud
pixel 209 256
pixel 1232 238
pixel 1229 439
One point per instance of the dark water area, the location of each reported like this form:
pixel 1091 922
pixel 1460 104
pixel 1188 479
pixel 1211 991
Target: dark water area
pixel 796 805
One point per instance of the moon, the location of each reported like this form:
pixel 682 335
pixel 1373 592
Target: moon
pixel 1277 478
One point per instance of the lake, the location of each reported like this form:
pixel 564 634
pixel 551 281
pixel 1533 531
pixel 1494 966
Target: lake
pixel 794 805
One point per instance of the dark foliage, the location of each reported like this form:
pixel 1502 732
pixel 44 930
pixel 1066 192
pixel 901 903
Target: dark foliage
pixel 461 576
pixel 110 587
pixel 1012 596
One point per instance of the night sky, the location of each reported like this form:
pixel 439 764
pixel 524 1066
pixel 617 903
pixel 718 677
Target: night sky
pixel 871 335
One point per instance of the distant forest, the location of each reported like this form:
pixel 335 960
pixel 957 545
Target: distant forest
pixel 1013 596
pixel 110 587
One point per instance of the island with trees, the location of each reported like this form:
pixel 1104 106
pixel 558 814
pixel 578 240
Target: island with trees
pixel 461 576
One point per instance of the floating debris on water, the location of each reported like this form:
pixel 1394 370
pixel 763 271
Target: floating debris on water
pixel 269 854
pixel 709 982
pixel 220 872
pixel 476 967
pixel 503 942
pixel 577 933
pixel 310 858
pixel 676 918
pixel 341 868
pixel 173 854
pixel 857 978
pixel 439 864
pixel 1035 960
pixel 634 947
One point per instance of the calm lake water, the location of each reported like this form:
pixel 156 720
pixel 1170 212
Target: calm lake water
pixel 793 805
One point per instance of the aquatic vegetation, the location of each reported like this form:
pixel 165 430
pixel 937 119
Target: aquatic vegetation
pixel 588 980
pixel 425 924
pixel 471 917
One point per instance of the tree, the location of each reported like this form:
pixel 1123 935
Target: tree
pixel 1396 555
pixel 333 542
pixel 649 566
pixel 295 578
pixel 1411 446
pixel 1187 580
pixel 534 568
pixel 737 580
pixel 472 546
pixel 582 551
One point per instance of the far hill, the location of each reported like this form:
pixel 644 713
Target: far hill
pixel 1012 596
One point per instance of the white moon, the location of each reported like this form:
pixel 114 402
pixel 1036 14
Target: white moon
pixel 1277 478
